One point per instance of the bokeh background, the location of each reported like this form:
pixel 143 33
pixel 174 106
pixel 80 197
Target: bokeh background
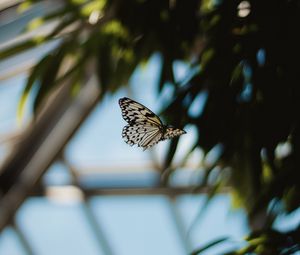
pixel 225 72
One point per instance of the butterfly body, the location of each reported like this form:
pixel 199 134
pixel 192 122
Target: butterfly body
pixel 144 127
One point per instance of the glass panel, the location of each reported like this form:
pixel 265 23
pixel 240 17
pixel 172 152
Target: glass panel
pixel 13 22
pixel 9 243
pixel 128 179
pixel 57 228
pixel 216 221
pixel 138 225
pixel 10 92
pixel 57 174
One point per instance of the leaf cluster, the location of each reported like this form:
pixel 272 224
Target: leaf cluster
pixel 250 120
pixel 266 242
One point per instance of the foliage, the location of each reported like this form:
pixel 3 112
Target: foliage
pixel 246 59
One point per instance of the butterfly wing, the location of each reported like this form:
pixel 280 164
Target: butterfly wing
pixel 144 135
pixel 144 127
pixel 134 112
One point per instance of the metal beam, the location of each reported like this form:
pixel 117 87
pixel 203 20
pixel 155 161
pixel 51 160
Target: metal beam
pixel 128 191
pixel 41 144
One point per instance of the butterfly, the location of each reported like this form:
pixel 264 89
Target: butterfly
pixel 144 127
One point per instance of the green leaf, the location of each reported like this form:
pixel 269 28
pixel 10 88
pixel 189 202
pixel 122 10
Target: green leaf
pixel 207 56
pixel 35 23
pixel 171 152
pixel 166 73
pixel 104 66
pixel 18 48
pixel 34 76
pixel 49 77
pixel 96 5
pixel 59 13
pixel 61 26
pixel 166 168
pixel 237 75
pixel 26 5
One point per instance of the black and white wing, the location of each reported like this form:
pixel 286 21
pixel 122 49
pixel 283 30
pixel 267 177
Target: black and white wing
pixel 144 135
pixel 134 112
pixel 144 127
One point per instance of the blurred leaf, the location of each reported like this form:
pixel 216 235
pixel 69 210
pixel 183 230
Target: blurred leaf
pixel 207 56
pixel 18 48
pixel 115 29
pixel 26 5
pixel 35 23
pixel 237 74
pixel 210 245
pixel 48 79
pixel 169 157
pixel 166 73
pixel 34 76
pixel 95 5
pixel 61 26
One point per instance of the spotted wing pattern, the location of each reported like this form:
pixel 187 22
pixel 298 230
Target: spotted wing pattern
pixel 134 112
pixel 144 136
pixel 144 127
